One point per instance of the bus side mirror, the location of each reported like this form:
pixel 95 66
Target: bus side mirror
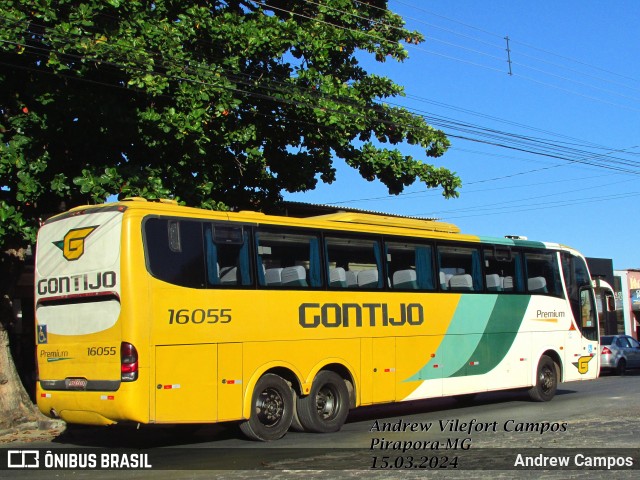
pixel 611 303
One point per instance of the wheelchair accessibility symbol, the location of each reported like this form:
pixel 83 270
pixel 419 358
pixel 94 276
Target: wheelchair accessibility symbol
pixel 42 334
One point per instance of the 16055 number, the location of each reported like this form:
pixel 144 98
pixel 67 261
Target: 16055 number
pixel 199 315
pixel 101 351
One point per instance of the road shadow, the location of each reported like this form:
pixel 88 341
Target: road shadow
pixel 434 405
pixel 145 436
pixel 156 436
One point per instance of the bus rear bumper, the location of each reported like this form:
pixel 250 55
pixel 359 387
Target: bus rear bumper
pixel 84 417
pixel 92 408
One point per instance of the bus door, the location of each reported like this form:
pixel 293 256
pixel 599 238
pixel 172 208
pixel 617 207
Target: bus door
pixel 582 345
pixel 589 362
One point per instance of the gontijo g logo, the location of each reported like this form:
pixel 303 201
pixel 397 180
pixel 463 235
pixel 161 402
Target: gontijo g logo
pixel 72 245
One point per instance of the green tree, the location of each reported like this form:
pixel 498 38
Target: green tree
pixel 218 104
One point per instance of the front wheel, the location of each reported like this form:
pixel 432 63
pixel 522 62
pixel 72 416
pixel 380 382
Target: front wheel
pixel 546 381
pixel 326 407
pixel 271 409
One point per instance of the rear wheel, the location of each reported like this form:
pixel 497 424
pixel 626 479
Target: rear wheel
pixel 296 426
pixel 621 368
pixel 326 407
pixel 546 380
pixel 271 409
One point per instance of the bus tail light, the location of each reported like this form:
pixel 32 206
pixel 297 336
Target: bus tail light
pixel 606 351
pixel 128 362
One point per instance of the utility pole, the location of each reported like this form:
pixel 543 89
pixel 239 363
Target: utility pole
pixel 508 54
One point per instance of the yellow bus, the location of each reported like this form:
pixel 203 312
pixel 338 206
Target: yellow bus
pixel 151 312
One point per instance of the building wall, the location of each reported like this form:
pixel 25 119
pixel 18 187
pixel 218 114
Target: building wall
pixel 628 301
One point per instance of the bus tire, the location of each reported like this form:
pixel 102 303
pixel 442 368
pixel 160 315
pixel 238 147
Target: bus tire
pixel 326 407
pixel 546 380
pixel 296 426
pixel 271 409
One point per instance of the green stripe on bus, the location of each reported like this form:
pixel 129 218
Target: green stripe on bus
pixel 491 322
pixel 469 322
pixel 501 331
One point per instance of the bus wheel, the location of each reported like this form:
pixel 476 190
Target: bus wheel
pixel 326 407
pixel 546 381
pixel 271 409
pixel 296 426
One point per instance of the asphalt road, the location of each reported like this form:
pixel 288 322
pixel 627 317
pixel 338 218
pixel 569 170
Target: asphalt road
pixel 495 437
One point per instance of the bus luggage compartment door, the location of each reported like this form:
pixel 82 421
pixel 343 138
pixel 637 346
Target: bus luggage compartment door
pixel 384 369
pixel 186 383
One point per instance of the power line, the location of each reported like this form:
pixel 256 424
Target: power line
pixel 431 52
pixel 541 71
pixel 271 97
pixel 528 45
pixel 473 27
pixel 596 77
pixel 274 88
pixel 545 205
pixel 476 64
pixel 445 122
pixel 422 193
pixel 561 77
pixel 578 62
pixel 536 199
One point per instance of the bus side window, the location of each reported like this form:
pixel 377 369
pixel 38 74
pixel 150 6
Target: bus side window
pixel 543 274
pixel 288 259
pixel 460 269
pixel 227 254
pixel 361 260
pixel 503 270
pixel 174 251
pixel 410 266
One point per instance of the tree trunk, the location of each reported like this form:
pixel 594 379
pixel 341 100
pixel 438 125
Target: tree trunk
pixel 16 408
pixel 15 405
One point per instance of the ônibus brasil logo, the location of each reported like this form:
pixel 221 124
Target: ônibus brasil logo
pixel 72 245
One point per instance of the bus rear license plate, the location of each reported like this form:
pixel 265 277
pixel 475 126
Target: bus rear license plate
pixel 76 383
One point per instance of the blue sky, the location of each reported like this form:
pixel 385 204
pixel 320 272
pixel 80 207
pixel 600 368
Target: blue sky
pixel 574 97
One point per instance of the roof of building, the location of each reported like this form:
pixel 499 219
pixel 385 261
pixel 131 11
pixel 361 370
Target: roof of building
pixel 302 209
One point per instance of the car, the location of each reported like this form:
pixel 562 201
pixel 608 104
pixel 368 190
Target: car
pixel 618 353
